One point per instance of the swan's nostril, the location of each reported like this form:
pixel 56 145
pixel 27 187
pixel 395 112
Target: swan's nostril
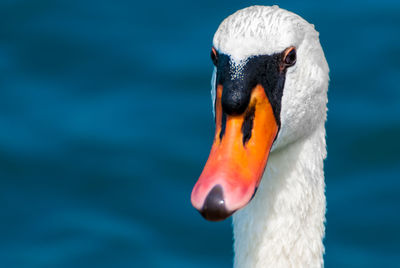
pixel 214 206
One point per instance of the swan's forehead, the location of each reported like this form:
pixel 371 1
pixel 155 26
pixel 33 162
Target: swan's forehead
pixel 258 30
pixel 240 50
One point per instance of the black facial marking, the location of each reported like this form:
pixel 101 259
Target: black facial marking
pixel 235 97
pixel 238 81
pixel 247 126
pixel 223 124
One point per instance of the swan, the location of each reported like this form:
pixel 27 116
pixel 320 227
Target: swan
pixel 269 90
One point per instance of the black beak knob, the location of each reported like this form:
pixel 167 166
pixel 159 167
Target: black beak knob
pixel 214 206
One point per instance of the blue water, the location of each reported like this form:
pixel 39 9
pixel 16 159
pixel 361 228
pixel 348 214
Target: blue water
pixel 105 124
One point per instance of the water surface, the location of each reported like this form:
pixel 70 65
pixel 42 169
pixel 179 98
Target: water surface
pixel 105 124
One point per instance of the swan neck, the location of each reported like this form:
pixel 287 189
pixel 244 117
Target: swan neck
pixel 283 226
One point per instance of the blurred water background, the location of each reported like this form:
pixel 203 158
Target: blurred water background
pixel 106 123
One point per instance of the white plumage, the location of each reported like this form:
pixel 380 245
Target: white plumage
pixel 283 226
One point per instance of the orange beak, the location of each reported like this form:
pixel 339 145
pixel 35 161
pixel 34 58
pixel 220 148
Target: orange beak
pixel 237 159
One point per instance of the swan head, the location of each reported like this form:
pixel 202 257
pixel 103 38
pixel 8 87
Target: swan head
pixel 269 89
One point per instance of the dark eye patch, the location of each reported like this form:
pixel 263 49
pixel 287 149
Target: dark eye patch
pixel 269 71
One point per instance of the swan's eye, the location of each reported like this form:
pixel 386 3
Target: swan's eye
pixel 214 56
pixel 289 57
